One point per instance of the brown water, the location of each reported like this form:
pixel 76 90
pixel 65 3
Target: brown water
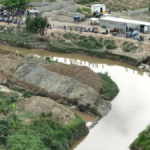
pixel 130 112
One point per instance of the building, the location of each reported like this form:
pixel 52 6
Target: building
pixel 112 22
pixel 99 8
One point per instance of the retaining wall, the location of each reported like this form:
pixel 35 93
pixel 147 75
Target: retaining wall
pixel 71 2
pixel 111 24
pixel 62 19
pixel 64 13
pixel 137 12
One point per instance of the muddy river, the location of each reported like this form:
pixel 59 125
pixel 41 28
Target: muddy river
pixel 130 112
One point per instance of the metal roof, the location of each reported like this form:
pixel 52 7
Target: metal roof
pixel 125 21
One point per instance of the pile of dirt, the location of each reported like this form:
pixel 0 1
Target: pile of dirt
pixel 37 105
pixel 80 73
pixel 30 74
pixel 52 82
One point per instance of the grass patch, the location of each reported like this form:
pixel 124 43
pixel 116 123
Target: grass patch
pixel 110 44
pixel 90 43
pixel 88 10
pixel 45 133
pixel 128 47
pixel 69 36
pixel 110 88
pixel 79 10
pixel 143 140
pixel 17 40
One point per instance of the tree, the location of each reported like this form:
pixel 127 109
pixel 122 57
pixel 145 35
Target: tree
pixel 149 8
pixel 20 4
pixel 34 24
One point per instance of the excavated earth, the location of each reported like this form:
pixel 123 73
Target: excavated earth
pixel 40 77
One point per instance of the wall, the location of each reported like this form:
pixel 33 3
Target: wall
pixel 111 24
pixel 71 2
pixel 63 12
pixel 62 19
pixel 137 12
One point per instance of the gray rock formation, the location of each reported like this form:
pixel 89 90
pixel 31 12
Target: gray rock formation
pixel 76 92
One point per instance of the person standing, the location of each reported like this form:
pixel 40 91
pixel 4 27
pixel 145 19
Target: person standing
pixel 80 30
pixel 64 28
pixel 91 22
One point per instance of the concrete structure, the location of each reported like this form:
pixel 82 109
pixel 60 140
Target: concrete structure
pixel 66 16
pixel 132 13
pixel 62 11
pixel 113 22
pixel 70 2
pixel 99 8
pixel 57 12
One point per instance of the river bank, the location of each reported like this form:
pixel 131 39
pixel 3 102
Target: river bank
pixel 71 42
pixel 9 78
pixel 122 74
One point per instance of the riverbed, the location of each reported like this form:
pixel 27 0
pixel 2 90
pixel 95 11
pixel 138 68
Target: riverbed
pixel 130 112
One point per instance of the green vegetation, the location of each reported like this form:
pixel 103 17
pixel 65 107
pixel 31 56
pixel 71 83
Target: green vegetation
pixel 46 133
pixel 69 36
pixel 110 44
pixel 27 94
pixel 128 47
pixel 86 1
pixel 143 140
pixel 21 39
pixel 149 8
pixel 20 4
pixel 42 132
pixel 110 88
pixel 79 10
pixel 36 24
pixel 88 10
pixel 90 43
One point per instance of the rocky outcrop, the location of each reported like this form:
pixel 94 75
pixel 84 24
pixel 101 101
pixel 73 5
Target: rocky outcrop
pixel 145 67
pixel 30 74
pixel 77 93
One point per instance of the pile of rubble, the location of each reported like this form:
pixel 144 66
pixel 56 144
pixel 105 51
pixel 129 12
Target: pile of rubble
pixel 145 67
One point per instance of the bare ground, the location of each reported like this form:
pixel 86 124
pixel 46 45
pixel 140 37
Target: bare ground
pixel 80 73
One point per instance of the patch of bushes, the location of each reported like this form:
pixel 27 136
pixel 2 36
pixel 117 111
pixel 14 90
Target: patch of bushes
pixel 109 89
pixel 69 36
pixel 128 47
pixel 88 10
pixel 35 24
pixel 143 140
pixel 79 10
pixel 48 134
pixel 27 94
pixel 110 44
pixel 90 43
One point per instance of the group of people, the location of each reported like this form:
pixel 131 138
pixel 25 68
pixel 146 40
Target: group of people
pixel 11 15
pixel 82 29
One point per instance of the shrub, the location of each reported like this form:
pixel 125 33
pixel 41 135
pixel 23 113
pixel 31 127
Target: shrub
pixel 88 10
pixel 34 24
pixel 79 10
pixel 110 44
pixel 27 94
pixel 110 89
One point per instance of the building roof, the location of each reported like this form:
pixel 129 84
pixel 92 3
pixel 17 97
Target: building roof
pixel 125 21
pixel 97 5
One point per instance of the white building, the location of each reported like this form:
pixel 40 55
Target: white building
pixel 99 8
pixel 112 22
